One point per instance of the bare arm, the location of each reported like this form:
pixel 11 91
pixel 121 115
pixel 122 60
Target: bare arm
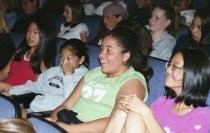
pixel 118 117
pixel 69 102
pixel 98 126
pixel 83 36
pixel 131 103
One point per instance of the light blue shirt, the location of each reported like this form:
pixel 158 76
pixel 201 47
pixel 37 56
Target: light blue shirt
pixel 163 46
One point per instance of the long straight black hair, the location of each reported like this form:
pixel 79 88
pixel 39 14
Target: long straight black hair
pixel 196 79
pixel 46 50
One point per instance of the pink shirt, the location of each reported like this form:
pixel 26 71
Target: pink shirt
pixel 20 72
pixel 196 121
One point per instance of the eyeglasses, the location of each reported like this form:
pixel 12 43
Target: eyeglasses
pixel 173 67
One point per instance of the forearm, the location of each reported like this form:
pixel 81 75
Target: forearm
pixel 4 86
pixel 96 126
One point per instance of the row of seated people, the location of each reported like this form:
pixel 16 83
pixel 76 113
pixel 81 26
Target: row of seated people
pixel 163 67
pixel 158 65
pixel 93 26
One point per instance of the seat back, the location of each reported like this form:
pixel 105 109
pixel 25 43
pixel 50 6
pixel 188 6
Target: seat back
pixel 93 24
pixel 17 38
pixel 57 19
pixel 208 99
pixel 157 82
pixel 44 126
pixel 9 108
pixel 93 52
pixel 59 43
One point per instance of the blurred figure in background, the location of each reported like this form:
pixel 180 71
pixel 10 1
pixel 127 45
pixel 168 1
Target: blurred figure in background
pixel 114 15
pixel 99 9
pixel 73 27
pixel 142 11
pixel 186 12
pixel 31 10
pixel 7 47
pixel 161 26
pixel 88 7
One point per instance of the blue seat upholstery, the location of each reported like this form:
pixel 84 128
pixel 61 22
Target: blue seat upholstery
pixel 93 24
pixel 57 19
pixel 157 82
pixel 43 126
pixel 17 38
pixel 59 43
pixel 93 51
pixel 208 99
pixel 9 109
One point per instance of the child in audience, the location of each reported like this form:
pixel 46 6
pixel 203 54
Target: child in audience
pixel 57 83
pixel 120 73
pixel 200 33
pixel 161 26
pixel 182 110
pixel 73 27
pixel 34 55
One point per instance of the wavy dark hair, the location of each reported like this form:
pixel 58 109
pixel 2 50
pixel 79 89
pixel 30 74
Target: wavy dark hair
pixel 78 48
pixel 196 77
pixel 131 43
pixel 46 50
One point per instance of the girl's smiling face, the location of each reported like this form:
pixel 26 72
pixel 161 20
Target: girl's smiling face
pixel 112 59
pixel 174 73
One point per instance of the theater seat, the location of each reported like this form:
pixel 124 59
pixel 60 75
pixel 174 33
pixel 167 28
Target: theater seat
pixel 93 51
pixel 44 126
pixel 9 108
pixel 17 38
pixel 157 82
pixel 93 24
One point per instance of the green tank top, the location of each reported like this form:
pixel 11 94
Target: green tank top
pixel 97 97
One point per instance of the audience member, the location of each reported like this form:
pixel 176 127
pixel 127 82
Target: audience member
pixel 10 15
pixel 142 11
pixel 200 30
pixel 31 10
pixel 73 27
pixel 15 125
pixel 56 83
pixel 185 9
pixel 7 48
pixel 182 109
pixel 34 55
pixel 161 26
pixel 114 15
pixel 145 37
pixel 95 95
pixel 89 7
pixel 100 9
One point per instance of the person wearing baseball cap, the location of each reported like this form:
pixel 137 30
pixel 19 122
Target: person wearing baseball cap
pixel 114 15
